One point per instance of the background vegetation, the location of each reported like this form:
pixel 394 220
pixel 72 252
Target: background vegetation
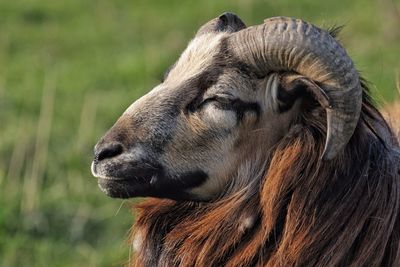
pixel 68 69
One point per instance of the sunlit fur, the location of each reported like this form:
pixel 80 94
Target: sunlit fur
pixel 392 114
pixel 303 212
pixel 197 56
pixel 267 198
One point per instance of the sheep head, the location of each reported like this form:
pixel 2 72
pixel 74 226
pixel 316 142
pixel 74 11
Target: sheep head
pixel 233 91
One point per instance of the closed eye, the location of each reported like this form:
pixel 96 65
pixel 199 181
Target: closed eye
pixel 223 100
pixel 235 104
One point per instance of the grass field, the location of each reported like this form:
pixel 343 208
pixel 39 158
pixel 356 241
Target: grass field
pixel 68 69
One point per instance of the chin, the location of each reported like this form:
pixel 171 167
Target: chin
pixel 157 185
pixel 123 188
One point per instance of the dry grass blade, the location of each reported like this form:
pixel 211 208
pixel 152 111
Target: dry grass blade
pixel 32 182
pixel 18 154
pixel 86 125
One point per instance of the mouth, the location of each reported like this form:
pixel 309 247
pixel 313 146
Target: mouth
pixel 125 181
pixel 146 180
pixel 123 188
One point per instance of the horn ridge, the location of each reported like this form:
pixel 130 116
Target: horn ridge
pixel 288 44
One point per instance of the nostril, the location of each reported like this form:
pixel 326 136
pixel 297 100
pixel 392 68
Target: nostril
pixel 109 151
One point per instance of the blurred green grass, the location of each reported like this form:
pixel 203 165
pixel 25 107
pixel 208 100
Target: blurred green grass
pixel 68 69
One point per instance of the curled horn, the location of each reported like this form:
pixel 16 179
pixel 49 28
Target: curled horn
pixel 286 44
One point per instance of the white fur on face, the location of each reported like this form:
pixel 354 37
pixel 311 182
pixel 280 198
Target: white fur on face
pixel 205 139
pixel 219 169
pixel 222 118
pixel 198 55
pixel 143 101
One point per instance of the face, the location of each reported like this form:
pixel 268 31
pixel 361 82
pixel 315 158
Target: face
pixel 185 139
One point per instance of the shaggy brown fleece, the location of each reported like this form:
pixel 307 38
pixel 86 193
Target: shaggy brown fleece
pixel 299 211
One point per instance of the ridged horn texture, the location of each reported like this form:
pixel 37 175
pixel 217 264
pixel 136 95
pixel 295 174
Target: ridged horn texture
pixel 287 44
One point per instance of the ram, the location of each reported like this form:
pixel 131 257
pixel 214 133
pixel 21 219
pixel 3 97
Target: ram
pixel 261 147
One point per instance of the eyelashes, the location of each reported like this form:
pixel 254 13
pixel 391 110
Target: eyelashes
pixel 237 105
pixel 227 102
pixel 222 100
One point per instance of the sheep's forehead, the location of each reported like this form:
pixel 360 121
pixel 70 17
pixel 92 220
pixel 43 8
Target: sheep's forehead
pixel 197 57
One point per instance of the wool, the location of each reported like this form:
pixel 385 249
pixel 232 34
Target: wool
pixel 295 210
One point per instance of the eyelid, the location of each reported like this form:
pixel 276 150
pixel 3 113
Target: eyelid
pixel 225 95
pixel 224 98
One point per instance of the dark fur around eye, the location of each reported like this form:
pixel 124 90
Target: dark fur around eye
pixel 237 105
pixel 222 102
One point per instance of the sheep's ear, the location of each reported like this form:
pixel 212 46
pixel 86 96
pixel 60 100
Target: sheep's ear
pixel 227 22
pixel 282 90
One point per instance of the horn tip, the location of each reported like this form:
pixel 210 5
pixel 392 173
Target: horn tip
pixel 328 155
pixel 330 151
